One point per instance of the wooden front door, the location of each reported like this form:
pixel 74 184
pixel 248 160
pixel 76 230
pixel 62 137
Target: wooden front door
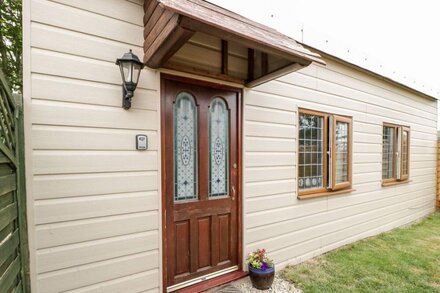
pixel 201 135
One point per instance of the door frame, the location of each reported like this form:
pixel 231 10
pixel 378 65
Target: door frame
pixel 239 91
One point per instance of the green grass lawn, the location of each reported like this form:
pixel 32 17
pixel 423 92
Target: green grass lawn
pixel 403 260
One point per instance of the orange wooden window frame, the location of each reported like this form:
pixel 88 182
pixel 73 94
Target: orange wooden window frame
pixel 325 157
pixel 346 184
pixel 405 176
pixel 394 176
pixel 335 187
pixel 396 129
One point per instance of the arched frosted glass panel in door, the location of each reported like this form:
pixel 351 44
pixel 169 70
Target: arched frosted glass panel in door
pixel 185 147
pixel 218 148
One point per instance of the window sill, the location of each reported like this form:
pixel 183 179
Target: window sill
pixel 327 193
pixel 392 183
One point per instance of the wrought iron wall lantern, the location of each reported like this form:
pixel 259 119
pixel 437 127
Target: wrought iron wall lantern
pixel 130 67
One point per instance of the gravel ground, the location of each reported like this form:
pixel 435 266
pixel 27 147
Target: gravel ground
pixel 244 285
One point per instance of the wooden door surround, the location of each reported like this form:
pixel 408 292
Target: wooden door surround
pixel 202 236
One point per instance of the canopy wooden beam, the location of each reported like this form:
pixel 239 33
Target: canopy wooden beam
pixel 251 64
pixel 274 74
pixel 225 57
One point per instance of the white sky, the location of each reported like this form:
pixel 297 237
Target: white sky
pixel 403 36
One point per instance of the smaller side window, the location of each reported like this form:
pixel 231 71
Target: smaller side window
pixel 395 153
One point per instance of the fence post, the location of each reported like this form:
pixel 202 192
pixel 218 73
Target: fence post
pixel 21 194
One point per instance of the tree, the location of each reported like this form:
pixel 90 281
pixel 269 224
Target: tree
pixel 11 42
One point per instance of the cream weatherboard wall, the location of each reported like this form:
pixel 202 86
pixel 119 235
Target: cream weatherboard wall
pixel 93 199
pixel 294 230
pixel 94 202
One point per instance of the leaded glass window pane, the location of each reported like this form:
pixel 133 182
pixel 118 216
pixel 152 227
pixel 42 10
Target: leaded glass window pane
pixel 218 148
pixel 311 151
pixel 387 152
pixel 341 151
pixel 405 152
pixel 185 147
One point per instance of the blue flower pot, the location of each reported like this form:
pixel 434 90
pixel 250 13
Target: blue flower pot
pixel 262 280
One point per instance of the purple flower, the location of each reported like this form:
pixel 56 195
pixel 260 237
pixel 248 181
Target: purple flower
pixel 264 266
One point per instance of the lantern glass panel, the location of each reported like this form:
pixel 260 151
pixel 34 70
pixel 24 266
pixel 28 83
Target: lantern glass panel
pixel 136 72
pixel 127 70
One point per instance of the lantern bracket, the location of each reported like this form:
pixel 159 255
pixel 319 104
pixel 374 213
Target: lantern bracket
pixel 126 98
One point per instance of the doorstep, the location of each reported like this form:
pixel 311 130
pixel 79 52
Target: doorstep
pixel 216 282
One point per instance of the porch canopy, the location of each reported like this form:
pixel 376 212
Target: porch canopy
pixel 170 24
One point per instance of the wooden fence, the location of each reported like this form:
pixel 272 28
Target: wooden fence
pixel 14 269
pixel 438 172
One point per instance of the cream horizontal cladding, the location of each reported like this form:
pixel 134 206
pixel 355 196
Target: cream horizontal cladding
pixel 293 230
pixel 95 198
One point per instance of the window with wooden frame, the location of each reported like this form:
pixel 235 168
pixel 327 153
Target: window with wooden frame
pixel 395 153
pixel 324 153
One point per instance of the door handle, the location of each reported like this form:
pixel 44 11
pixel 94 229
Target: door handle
pixel 233 192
